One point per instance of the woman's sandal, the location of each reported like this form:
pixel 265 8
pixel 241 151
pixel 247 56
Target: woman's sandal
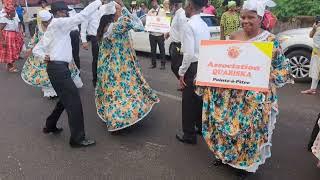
pixel 309 91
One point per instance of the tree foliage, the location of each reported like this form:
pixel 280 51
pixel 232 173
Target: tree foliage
pixel 287 9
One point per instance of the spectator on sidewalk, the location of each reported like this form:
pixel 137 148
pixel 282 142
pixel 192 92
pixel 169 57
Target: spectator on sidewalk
pixel 315 60
pixel 20 12
pixel 209 9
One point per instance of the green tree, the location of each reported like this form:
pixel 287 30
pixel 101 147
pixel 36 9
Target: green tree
pixel 287 9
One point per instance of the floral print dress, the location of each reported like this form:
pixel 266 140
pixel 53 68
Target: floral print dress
pixel 237 125
pixel 34 71
pixel 316 145
pixel 123 97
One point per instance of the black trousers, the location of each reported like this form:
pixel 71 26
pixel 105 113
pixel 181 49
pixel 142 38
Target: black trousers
pixel 314 134
pixel 191 104
pixel 176 58
pixel 22 23
pixel 95 54
pixel 69 99
pixel 154 42
pixel 75 43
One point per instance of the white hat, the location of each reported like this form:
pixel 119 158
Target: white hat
pixel 109 8
pixel 258 5
pixel 45 15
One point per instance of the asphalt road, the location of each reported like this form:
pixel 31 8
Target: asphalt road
pixel 147 150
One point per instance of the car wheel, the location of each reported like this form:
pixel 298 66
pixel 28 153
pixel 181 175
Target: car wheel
pixel 300 64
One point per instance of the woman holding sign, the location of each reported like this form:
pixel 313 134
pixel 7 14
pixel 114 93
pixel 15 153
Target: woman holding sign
pixel 123 97
pixel 238 124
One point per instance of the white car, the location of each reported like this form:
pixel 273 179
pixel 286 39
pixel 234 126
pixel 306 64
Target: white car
pixel 141 39
pixel 297 46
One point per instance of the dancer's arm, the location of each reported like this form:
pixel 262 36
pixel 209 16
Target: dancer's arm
pixel 280 68
pixel 67 24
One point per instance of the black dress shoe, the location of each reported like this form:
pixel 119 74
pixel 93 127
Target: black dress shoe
pixel 53 97
pixel 83 143
pixel 54 131
pixel 186 139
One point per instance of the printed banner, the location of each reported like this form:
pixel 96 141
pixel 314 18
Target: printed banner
pixel 158 24
pixel 235 65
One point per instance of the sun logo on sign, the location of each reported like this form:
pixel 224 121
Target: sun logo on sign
pixel 233 52
pixel 158 19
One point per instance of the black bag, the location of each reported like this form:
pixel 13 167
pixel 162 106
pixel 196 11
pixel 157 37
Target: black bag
pixel 314 134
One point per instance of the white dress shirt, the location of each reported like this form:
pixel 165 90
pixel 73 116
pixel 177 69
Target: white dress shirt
pixel 90 25
pixel 56 40
pixel 194 31
pixel 179 20
pixel 71 14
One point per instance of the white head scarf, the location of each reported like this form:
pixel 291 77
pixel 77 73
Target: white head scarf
pixel 109 8
pixel 258 5
pixel 45 15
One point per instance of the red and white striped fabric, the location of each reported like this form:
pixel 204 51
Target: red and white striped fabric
pixel 11 51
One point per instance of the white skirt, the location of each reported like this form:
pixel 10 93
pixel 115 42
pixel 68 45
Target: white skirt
pixel 314 72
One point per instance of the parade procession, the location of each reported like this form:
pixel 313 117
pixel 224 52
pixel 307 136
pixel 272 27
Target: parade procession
pixel 173 89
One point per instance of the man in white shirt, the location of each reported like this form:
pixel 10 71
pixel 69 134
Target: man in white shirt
pixel 194 31
pixel 55 48
pixel 157 39
pixel 75 40
pixel 175 34
pixel 89 33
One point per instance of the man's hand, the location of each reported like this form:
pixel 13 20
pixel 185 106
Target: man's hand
pixel 182 83
pixel 315 26
pixel 166 35
pixel 85 46
pixel 47 59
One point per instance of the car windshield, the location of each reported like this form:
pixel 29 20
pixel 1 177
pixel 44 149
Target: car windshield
pixel 210 20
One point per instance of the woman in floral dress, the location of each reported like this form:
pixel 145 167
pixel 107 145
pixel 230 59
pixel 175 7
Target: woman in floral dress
pixel 123 97
pixel 238 124
pixel 34 70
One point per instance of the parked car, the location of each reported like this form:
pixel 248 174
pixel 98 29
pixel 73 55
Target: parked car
pixel 141 39
pixel 297 46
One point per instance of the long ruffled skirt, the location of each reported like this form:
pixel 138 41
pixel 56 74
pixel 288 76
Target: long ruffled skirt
pixel 34 73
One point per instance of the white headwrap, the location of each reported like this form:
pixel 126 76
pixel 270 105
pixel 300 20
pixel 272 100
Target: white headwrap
pixel 258 5
pixel 109 8
pixel 45 15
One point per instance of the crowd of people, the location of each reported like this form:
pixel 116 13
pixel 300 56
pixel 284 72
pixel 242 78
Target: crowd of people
pixel 237 125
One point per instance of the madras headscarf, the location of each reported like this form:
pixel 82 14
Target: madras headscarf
pixel 9 6
pixel 258 5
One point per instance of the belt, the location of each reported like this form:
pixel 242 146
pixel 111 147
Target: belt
pixel 59 62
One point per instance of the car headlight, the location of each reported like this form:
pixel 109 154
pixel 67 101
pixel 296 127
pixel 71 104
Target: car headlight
pixel 284 38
